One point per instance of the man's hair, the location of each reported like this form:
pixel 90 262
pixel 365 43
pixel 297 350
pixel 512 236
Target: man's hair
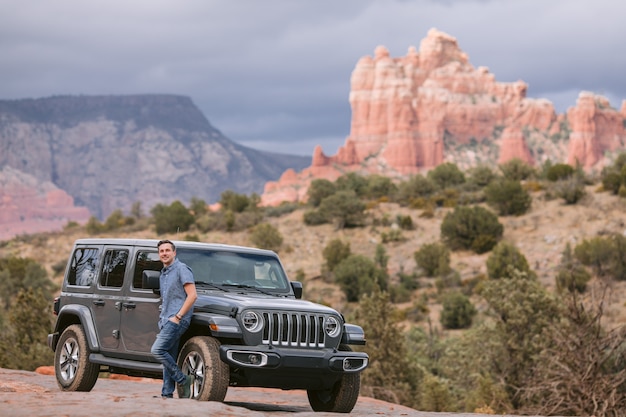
pixel 161 242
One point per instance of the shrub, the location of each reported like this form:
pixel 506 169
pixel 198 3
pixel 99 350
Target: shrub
pixel 172 219
pixel 605 255
pixel 481 175
pixel 504 259
pixel 415 187
pixel 352 182
pixel 559 172
pixel 319 190
pixel 571 189
pixel 23 343
pixel 405 222
pixel 433 258
pixel 314 218
pixel 571 275
pixel 335 252
pixel 473 228
pixel 237 203
pixel 379 187
pixel 508 197
pixel 344 208
pixel 457 311
pixel 266 236
pixel 516 170
pixel 446 175
pixel 357 275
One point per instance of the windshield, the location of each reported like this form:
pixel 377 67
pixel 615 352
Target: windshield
pixel 234 269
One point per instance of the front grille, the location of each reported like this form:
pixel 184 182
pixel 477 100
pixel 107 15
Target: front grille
pixel 293 329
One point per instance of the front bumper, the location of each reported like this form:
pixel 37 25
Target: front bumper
pixel 269 357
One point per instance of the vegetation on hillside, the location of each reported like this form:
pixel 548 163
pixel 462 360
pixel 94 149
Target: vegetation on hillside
pixel 510 345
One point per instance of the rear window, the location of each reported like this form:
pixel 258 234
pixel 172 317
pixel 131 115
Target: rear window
pixel 84 267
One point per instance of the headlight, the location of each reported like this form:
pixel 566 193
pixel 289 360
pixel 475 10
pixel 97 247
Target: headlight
pixel 252 321
pixel 331 326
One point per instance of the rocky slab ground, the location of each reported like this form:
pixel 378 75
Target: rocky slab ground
pixel 25 393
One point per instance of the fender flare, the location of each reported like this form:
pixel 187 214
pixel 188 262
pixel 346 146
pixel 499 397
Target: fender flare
pixel 83 314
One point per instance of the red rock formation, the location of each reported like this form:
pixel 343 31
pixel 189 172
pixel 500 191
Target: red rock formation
pixel 596 128
pixel 27 206
pixel 412 113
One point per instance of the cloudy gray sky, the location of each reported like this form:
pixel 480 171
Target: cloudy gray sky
pixel 275 74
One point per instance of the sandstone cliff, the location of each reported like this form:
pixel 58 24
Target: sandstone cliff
pixel 410 114
pixel 107 152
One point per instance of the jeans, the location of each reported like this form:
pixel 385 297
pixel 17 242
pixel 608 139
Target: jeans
pixel 165 350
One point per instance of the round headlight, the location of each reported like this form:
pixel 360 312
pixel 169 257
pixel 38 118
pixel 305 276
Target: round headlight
pixel 252 321
pixel 331 326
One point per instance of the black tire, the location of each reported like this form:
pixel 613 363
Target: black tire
pixel 72 368
pixel 342 397
pixel 200 358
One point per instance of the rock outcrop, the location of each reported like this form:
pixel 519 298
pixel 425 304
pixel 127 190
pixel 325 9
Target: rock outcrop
pixel 28 206
pixel 410 114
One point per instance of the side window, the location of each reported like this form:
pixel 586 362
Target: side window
pixel 84 267
pixel 145 261
pixel 113 268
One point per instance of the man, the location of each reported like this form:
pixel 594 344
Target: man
pixel 178 294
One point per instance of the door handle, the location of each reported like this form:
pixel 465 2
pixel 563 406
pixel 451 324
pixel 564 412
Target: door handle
pixel 129 306
pixel 98 303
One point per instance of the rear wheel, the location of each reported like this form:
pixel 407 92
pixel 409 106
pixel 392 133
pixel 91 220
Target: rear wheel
pixel 200 358
pixel 72 368
pixel 341 398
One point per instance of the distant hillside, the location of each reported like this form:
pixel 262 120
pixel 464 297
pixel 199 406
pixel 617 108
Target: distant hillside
pixel 108 152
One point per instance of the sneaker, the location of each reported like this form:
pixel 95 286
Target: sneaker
pixel 186 386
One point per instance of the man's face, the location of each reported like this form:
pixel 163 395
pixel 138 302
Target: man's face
pixel 166 254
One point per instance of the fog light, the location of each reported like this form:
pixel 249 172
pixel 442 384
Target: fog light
pixel 354 364
pixel 255 359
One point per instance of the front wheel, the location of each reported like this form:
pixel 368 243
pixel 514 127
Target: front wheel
pixel 72 368
pixel 341 398
pixel 200 358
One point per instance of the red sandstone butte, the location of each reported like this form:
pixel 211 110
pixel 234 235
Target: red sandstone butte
pixel 410 114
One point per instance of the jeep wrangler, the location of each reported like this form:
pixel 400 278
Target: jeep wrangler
pixel 250 327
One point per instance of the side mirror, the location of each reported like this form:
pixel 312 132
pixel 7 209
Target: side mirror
pixel 150 281
pixel 297 288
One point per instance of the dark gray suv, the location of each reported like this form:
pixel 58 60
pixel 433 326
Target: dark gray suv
pixel 250 327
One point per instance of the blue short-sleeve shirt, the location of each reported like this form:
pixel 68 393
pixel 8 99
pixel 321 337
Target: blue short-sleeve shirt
pixel 172 282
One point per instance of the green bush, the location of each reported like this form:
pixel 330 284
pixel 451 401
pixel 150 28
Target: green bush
pixel 457 311
pixel 405 222
pixel 605 255
pixel 344 208
pixel 416 186
pixel 481 175
pixel 433 258
pixel 23 344
pixel 504 259
pixel 357 275
pixel 352 182
pixel 508 197
pixel 571 189
pixel 314 218
pixel 266 236
pixel 471 228
pixel 21 274
pixel 237 203
pixel 446 175
pixel 379 186
pixel 335 252
pixel 571 275
pixel 319 190
pixel 559 172
pixel 516 170
pixel 172 219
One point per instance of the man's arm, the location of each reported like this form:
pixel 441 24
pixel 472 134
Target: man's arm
pixel 192 296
